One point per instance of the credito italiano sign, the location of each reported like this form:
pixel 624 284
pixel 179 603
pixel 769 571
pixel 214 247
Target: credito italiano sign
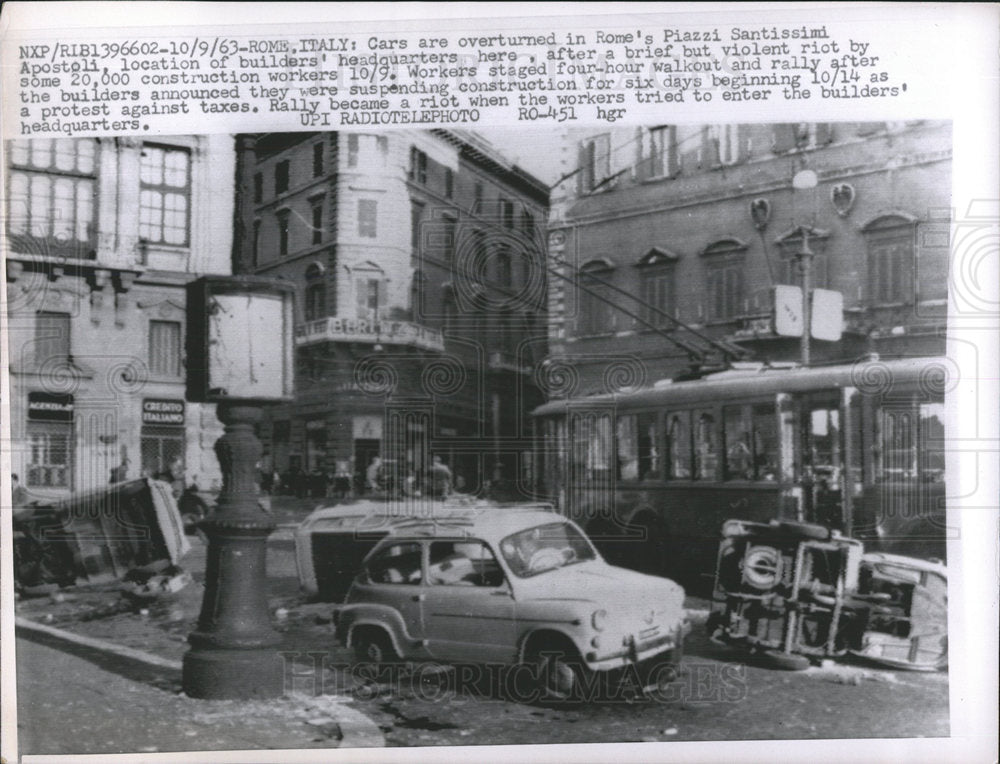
pixel 158 411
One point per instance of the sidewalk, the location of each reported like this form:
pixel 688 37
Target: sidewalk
pixel 98 676
pixel 87 697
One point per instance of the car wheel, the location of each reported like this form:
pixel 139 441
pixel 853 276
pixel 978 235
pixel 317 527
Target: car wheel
pixel 664 671
pixel 784 661
pixel 560 674
pixel 374 646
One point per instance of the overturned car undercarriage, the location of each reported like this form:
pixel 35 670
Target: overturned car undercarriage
pixel 794 592
pixel 98 536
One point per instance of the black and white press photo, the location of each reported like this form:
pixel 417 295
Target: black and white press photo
pixel 410 385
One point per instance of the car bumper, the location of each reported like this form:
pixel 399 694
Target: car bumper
pixel 634 651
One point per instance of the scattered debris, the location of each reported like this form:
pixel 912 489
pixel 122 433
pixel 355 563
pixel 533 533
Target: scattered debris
pixel 151 581
pixel 320 721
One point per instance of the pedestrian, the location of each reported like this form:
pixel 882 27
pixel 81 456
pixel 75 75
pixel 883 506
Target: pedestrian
pixel 317 483
pixel 119 474
pixel 18 493
pixel 342 479
pixel 411 486
pixel 298 482
pixel 439 478
pixel 373 475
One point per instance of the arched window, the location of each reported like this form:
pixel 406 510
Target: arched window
pixel 315 294
pixel 790 243
pixel 596 299
pixel 890 248
pixel 725 289
pixel 656 278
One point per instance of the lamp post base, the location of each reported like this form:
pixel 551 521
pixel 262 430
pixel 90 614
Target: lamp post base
pixel 233 651
pixel 233 674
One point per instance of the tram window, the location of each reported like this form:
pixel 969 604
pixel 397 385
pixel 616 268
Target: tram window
pixel 627 448
pixel 824 443
pixel 899 446
pixel 679 445
pixel 649 455
pixel 738 463
pixel 592 446
pixel 765 443
pixel 705 451
pixel 554 453
pixel 913 443
pixel 751 442
pixel 932 442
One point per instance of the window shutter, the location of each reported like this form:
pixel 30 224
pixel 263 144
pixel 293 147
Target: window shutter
pixel 671 163
pixel 712 147
pixel 602 158
pixel 784 138
pixel 382 298
pixel 51 336
pixel 739 308
pixel 361 287
pixel 713 293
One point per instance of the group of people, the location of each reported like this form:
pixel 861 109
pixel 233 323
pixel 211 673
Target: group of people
pixel 437 481
pixel 340 483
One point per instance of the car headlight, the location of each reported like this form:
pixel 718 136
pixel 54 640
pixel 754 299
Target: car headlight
pixel 599 619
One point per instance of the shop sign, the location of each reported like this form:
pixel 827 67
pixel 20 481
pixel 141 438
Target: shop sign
pixel 360 330
pixel 158 411
pixel 50 407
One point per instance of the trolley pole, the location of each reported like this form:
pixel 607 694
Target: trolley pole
pixel 804 257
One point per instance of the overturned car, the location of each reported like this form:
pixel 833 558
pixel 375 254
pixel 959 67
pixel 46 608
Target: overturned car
pixel 97 536
pixel 790 592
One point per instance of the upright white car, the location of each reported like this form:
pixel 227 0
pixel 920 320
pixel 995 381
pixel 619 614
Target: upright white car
pixel 511 586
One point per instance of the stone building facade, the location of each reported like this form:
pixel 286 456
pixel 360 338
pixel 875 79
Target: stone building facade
pixel 417 258
pixel 669 241
pixel 102 236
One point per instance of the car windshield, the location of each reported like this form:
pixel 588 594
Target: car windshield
pixel 545 547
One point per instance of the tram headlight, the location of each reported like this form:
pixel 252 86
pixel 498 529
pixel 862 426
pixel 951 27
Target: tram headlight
pixel 599 619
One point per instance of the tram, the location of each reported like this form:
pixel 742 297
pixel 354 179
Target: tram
pixel 653 473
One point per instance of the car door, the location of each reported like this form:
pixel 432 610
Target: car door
pixel 393 579
pixel 468 606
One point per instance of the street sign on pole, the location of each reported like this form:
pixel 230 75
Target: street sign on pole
pixel 787 311
pixel 827 315
pixel 826 319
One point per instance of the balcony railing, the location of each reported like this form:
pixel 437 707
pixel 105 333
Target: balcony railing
pixel 369 331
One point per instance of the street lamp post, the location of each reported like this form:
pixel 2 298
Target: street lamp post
pixel 239 356
pixel 804 259
pixel 804 180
